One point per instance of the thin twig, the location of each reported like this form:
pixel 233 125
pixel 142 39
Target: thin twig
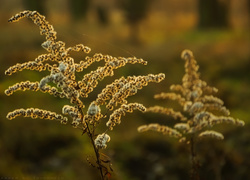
pixel 90 134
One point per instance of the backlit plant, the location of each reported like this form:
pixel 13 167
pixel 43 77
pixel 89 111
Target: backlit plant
pixel 200 110
pixel 62 70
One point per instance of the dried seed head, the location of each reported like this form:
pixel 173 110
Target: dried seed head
pixel 142 128
pixel 93 109
pixel 62 66
pixel 167 111
pixel 101 141
pixel 159 128
pixel 182 126
pixel 46 45
pixel 187 54
pixel 239 122
pixel 36 113
pixel 187 105
pixel 198 108
pixel 212 134
pixel 115 117
pixel 23 86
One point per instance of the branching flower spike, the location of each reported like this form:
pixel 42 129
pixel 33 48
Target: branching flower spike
pixel 199 107
pixel 62 70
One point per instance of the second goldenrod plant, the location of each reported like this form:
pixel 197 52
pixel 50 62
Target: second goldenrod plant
pixel 62 70
pixel 200 110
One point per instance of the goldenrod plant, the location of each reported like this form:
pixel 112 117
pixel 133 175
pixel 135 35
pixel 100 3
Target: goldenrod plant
pixel 62 82
pixel 200 111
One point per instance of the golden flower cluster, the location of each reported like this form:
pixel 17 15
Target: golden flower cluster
pixel 90 80
pixel 167 111
pixel 22 86
pixel 120 89
pixel 160 128
pixel 197 116
pixel 115 117
pixel 31 65
pixel 35 113
pixel 45 28
pixel 211 133
pixel 61 82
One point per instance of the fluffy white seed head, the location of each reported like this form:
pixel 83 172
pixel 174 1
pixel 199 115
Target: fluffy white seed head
pixel 46 44
pixel 93 109
pixel 62 67
pixel 101 140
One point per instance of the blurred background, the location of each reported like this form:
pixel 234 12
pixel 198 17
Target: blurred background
pixel 217 31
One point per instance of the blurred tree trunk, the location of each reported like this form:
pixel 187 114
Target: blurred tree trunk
pixel 135 12
pixel 213 13
pixel 103 9
pixel 102 14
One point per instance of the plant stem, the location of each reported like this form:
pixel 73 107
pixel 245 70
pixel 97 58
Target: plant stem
pixel 91 134
pixel 194 161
